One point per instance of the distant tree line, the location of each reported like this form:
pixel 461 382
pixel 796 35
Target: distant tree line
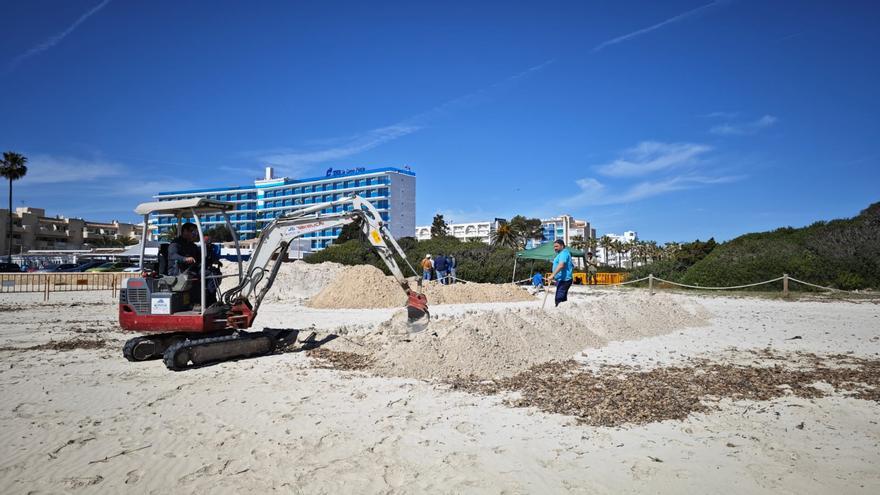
pixel 843 253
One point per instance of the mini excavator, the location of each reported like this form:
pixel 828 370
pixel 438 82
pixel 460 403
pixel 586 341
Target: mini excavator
pixel 186 333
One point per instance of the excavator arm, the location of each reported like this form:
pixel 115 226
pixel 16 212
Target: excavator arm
pixel 277 236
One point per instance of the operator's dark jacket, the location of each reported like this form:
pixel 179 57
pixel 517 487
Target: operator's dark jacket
pixel 180 249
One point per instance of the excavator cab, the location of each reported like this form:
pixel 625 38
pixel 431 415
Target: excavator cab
pixel 157 302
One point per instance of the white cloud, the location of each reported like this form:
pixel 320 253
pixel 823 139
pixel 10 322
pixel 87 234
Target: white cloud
pixel 48 169
pixel 721 115
pixel 594 193
pixel 56 38
pixel 651 156
pixel 744 128
pixel 144 188
pixel 298 161
pixel 654 27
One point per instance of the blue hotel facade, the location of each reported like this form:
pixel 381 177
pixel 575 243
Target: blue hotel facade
pixel 391 190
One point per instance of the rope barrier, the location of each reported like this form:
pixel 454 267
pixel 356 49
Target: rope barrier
pixel 818 286
pixel 719 288
pixel 627 282
pixel 658 279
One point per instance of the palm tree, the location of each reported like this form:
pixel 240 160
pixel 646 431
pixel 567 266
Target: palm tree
pixel 577 242
pixel 627 248
pixel 129 240
pixel 170 233
pixel 652 251
pixel 605 243
pixel 13 168
pixel 617 247
pixel 592 244
pixel 636 250
pixel 670 249
pixel 505 236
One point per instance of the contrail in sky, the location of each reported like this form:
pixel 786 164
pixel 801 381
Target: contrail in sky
pixel 659 25
pixel 55 39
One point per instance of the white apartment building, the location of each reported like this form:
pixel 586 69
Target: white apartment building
pixel 629 236
pixel 562 227
pixel 472 231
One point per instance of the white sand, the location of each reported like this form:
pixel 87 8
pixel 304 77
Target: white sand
pixel 365 286
pixel 88 421
pixel 508 340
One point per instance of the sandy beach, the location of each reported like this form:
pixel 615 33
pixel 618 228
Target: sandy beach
pixel 77 417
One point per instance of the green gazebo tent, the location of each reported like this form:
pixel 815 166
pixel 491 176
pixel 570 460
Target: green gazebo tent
pixel 543 252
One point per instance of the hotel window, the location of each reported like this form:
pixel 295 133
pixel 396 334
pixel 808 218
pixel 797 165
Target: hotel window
pixel 307 189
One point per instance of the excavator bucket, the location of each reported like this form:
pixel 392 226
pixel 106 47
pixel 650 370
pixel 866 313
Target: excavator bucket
pixel 417 308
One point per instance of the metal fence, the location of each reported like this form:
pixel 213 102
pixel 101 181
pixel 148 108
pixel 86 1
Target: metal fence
pixel 61 282
pixel 602 278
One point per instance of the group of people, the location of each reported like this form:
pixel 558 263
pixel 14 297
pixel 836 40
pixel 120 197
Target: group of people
pixel 563 270
pixel 442 268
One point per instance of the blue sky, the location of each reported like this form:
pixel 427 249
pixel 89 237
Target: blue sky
pixel 677 119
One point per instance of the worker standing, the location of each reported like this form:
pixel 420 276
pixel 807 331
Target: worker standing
pixel 562 270
pixel 427 266
pixel 441 265
pixel 450 260
pixel 592 268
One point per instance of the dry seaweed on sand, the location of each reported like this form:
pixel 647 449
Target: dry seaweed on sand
pixel 340 360
pixel 61 345
pixel 618 395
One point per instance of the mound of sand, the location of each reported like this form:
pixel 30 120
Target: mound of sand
pixel 365 286
pixel 505 342
pixel 295 281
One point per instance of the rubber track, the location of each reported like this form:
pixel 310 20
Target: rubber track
pixel 171 353
pixel 161 341
pixel 128 348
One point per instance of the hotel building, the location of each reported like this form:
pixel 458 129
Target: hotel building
pixel 391 190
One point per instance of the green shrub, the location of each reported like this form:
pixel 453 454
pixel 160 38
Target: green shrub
pixel 477 261
pixel 841 253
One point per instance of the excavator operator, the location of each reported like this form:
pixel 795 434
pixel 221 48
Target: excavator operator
pixel 183 252
pixel 183 255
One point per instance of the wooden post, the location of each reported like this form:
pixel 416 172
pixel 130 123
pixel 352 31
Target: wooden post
pixel 785 284
pixel 651 283
pixel 113 281
pixel 46 288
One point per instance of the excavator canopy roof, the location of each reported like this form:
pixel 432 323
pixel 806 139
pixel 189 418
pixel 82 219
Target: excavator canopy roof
pixel 199 205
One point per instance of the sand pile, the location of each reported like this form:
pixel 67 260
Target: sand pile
pixel 508 341
pixel 295 281
pixel 365 286
pixel 474 293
